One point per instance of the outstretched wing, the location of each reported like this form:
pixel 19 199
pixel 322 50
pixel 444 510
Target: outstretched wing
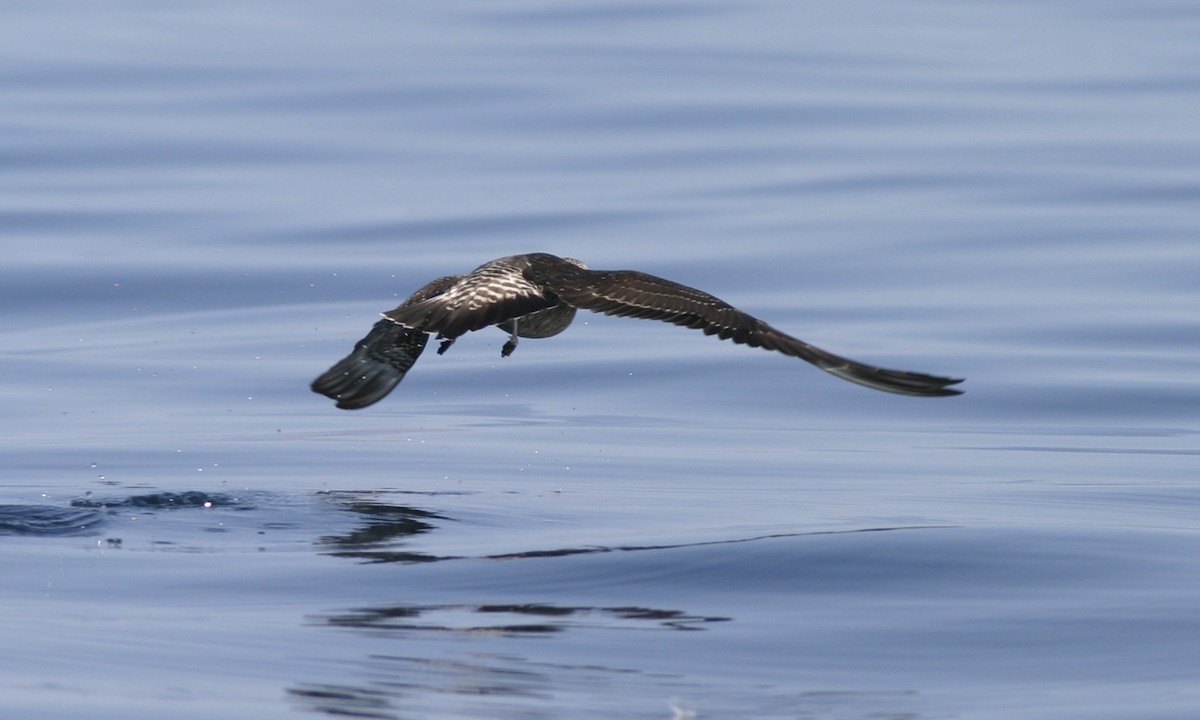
pixel 380 360
pixel 491 294
pixel 377 364
pixel 628 293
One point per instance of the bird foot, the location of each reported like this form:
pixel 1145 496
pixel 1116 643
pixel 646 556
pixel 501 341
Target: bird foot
pixel 445 345
pixel 509 346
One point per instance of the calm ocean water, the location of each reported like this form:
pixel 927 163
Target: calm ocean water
pixel 203 206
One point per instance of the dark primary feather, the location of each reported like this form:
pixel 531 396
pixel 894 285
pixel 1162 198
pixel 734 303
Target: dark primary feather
pixel 380 360
pixel 377 364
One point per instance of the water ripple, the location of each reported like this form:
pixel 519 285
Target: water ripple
pixel 45 520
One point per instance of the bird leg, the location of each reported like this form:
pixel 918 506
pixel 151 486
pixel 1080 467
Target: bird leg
pixel 512 341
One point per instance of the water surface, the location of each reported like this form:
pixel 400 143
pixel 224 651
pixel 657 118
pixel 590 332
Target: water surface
pixel 204 207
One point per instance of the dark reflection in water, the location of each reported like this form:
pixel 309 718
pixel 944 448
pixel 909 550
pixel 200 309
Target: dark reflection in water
pixel 383 526
pixel 345 701
pixel 511 619
pixel 435 679
pixel 403 686
pixel 507 685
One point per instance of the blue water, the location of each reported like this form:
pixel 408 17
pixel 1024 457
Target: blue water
pixel 203 206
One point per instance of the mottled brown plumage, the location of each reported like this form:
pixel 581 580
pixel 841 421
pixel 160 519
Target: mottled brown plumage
pixel 536 296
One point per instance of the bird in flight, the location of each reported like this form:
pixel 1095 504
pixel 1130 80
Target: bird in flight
pixel 536 295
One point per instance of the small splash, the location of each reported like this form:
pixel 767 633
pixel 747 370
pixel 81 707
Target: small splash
pixel 162 500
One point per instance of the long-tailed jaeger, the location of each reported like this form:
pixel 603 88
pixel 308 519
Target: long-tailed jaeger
pixel 536 295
